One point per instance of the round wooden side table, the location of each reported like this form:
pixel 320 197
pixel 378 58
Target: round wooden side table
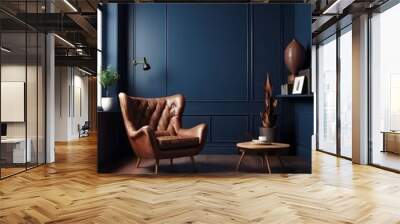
pixel 260 149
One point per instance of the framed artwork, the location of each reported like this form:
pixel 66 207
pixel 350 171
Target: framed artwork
pixel 307 80
pixel 298 85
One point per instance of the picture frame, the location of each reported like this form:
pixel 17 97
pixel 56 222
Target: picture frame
pixel 298 85
pixel 307 81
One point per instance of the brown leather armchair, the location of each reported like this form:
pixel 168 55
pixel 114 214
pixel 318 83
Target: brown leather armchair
pixel 153 126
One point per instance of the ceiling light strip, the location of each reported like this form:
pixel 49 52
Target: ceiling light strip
pixel 337 7
pixel 65 41
pixel 70 5
pixel 5 50
pixel 84 71
pixel 326 11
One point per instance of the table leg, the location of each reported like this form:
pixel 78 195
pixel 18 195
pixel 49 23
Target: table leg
pixel 240 160
pixel 266 159
pixel 384 142
pixel 281 161
pixel 262 159
pixel 156 166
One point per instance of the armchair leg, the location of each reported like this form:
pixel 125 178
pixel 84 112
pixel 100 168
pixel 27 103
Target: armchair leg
pixel 193 163
pixel 138 162
pixel 156 166
pixel 171 162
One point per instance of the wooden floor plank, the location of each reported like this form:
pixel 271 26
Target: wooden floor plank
pixel 71 191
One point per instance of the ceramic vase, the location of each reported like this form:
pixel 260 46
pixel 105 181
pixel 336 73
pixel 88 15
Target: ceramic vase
pixel 269 133
pixel 294 59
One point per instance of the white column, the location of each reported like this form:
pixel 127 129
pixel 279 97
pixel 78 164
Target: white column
pixel 99 54
pixel 314 91
pixel 360 90
pixel 50 101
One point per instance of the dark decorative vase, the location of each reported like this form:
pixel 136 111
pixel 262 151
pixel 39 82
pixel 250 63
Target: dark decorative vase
pixel 268 133
pixel 294 59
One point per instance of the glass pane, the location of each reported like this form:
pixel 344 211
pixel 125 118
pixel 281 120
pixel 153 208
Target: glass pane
pixel 32 97
pixel 14 153
pixel 22 88
pixel 385 84
pixel 327 96
pixel 41 98
pixel 32 86
pixel 346 94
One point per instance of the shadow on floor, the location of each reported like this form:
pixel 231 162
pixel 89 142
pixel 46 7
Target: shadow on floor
pixel 217 164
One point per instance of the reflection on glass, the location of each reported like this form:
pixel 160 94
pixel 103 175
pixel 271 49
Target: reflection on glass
pixel 31 101
pixel 346 94
pixel 22 91
pixel 41 98
pixel 15 150
pixel 385 84
pixel 327 96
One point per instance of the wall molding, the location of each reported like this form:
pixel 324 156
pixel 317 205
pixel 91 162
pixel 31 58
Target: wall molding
pixel 259 38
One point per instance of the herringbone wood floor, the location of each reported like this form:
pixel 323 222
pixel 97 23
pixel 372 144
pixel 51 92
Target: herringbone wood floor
pixel 70 191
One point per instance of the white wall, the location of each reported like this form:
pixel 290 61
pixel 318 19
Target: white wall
pixel 61 103
pixel 80 111
pixel 33 126
pixel 71 102
pixel 15 73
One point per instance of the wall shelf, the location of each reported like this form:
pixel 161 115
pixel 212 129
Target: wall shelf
pixel 296 96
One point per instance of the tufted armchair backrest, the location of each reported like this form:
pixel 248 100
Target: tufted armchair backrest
pixel 163 114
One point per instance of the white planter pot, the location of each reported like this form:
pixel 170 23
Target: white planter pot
pixel 107 103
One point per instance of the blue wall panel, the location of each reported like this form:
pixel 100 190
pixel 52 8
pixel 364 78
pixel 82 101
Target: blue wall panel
pixel 207 51
pixel 110 40
pixel 303 128
pixel 218 55
pixel 228 129
pixel 267 51
pixel 191 121
pixel 110 35
pixel 149 39
pixel 222 108
pixel 303 33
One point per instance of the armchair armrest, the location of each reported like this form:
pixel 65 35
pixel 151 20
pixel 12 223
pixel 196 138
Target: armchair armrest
pixel 143 131
pixel 142 141
pixel 199 131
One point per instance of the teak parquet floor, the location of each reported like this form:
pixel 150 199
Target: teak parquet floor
pixel 71 191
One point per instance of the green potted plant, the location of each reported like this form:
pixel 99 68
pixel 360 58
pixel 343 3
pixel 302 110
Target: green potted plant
pixel 268 117
pixel 108 78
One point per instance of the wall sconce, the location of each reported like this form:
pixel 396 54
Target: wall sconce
pixel 146 65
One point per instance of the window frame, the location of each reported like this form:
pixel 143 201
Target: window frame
pixel 381 9
pixel 334 37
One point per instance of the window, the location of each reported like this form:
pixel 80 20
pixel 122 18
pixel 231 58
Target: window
pixel 385 89
pixel 327 96
pixel 345 42
pixel 335 108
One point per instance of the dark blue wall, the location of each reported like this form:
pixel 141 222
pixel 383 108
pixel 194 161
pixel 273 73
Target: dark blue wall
pixel 217 55
pixel 208 52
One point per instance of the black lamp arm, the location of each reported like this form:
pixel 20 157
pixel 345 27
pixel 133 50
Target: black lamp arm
pixel 146 66
pixel 139 62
